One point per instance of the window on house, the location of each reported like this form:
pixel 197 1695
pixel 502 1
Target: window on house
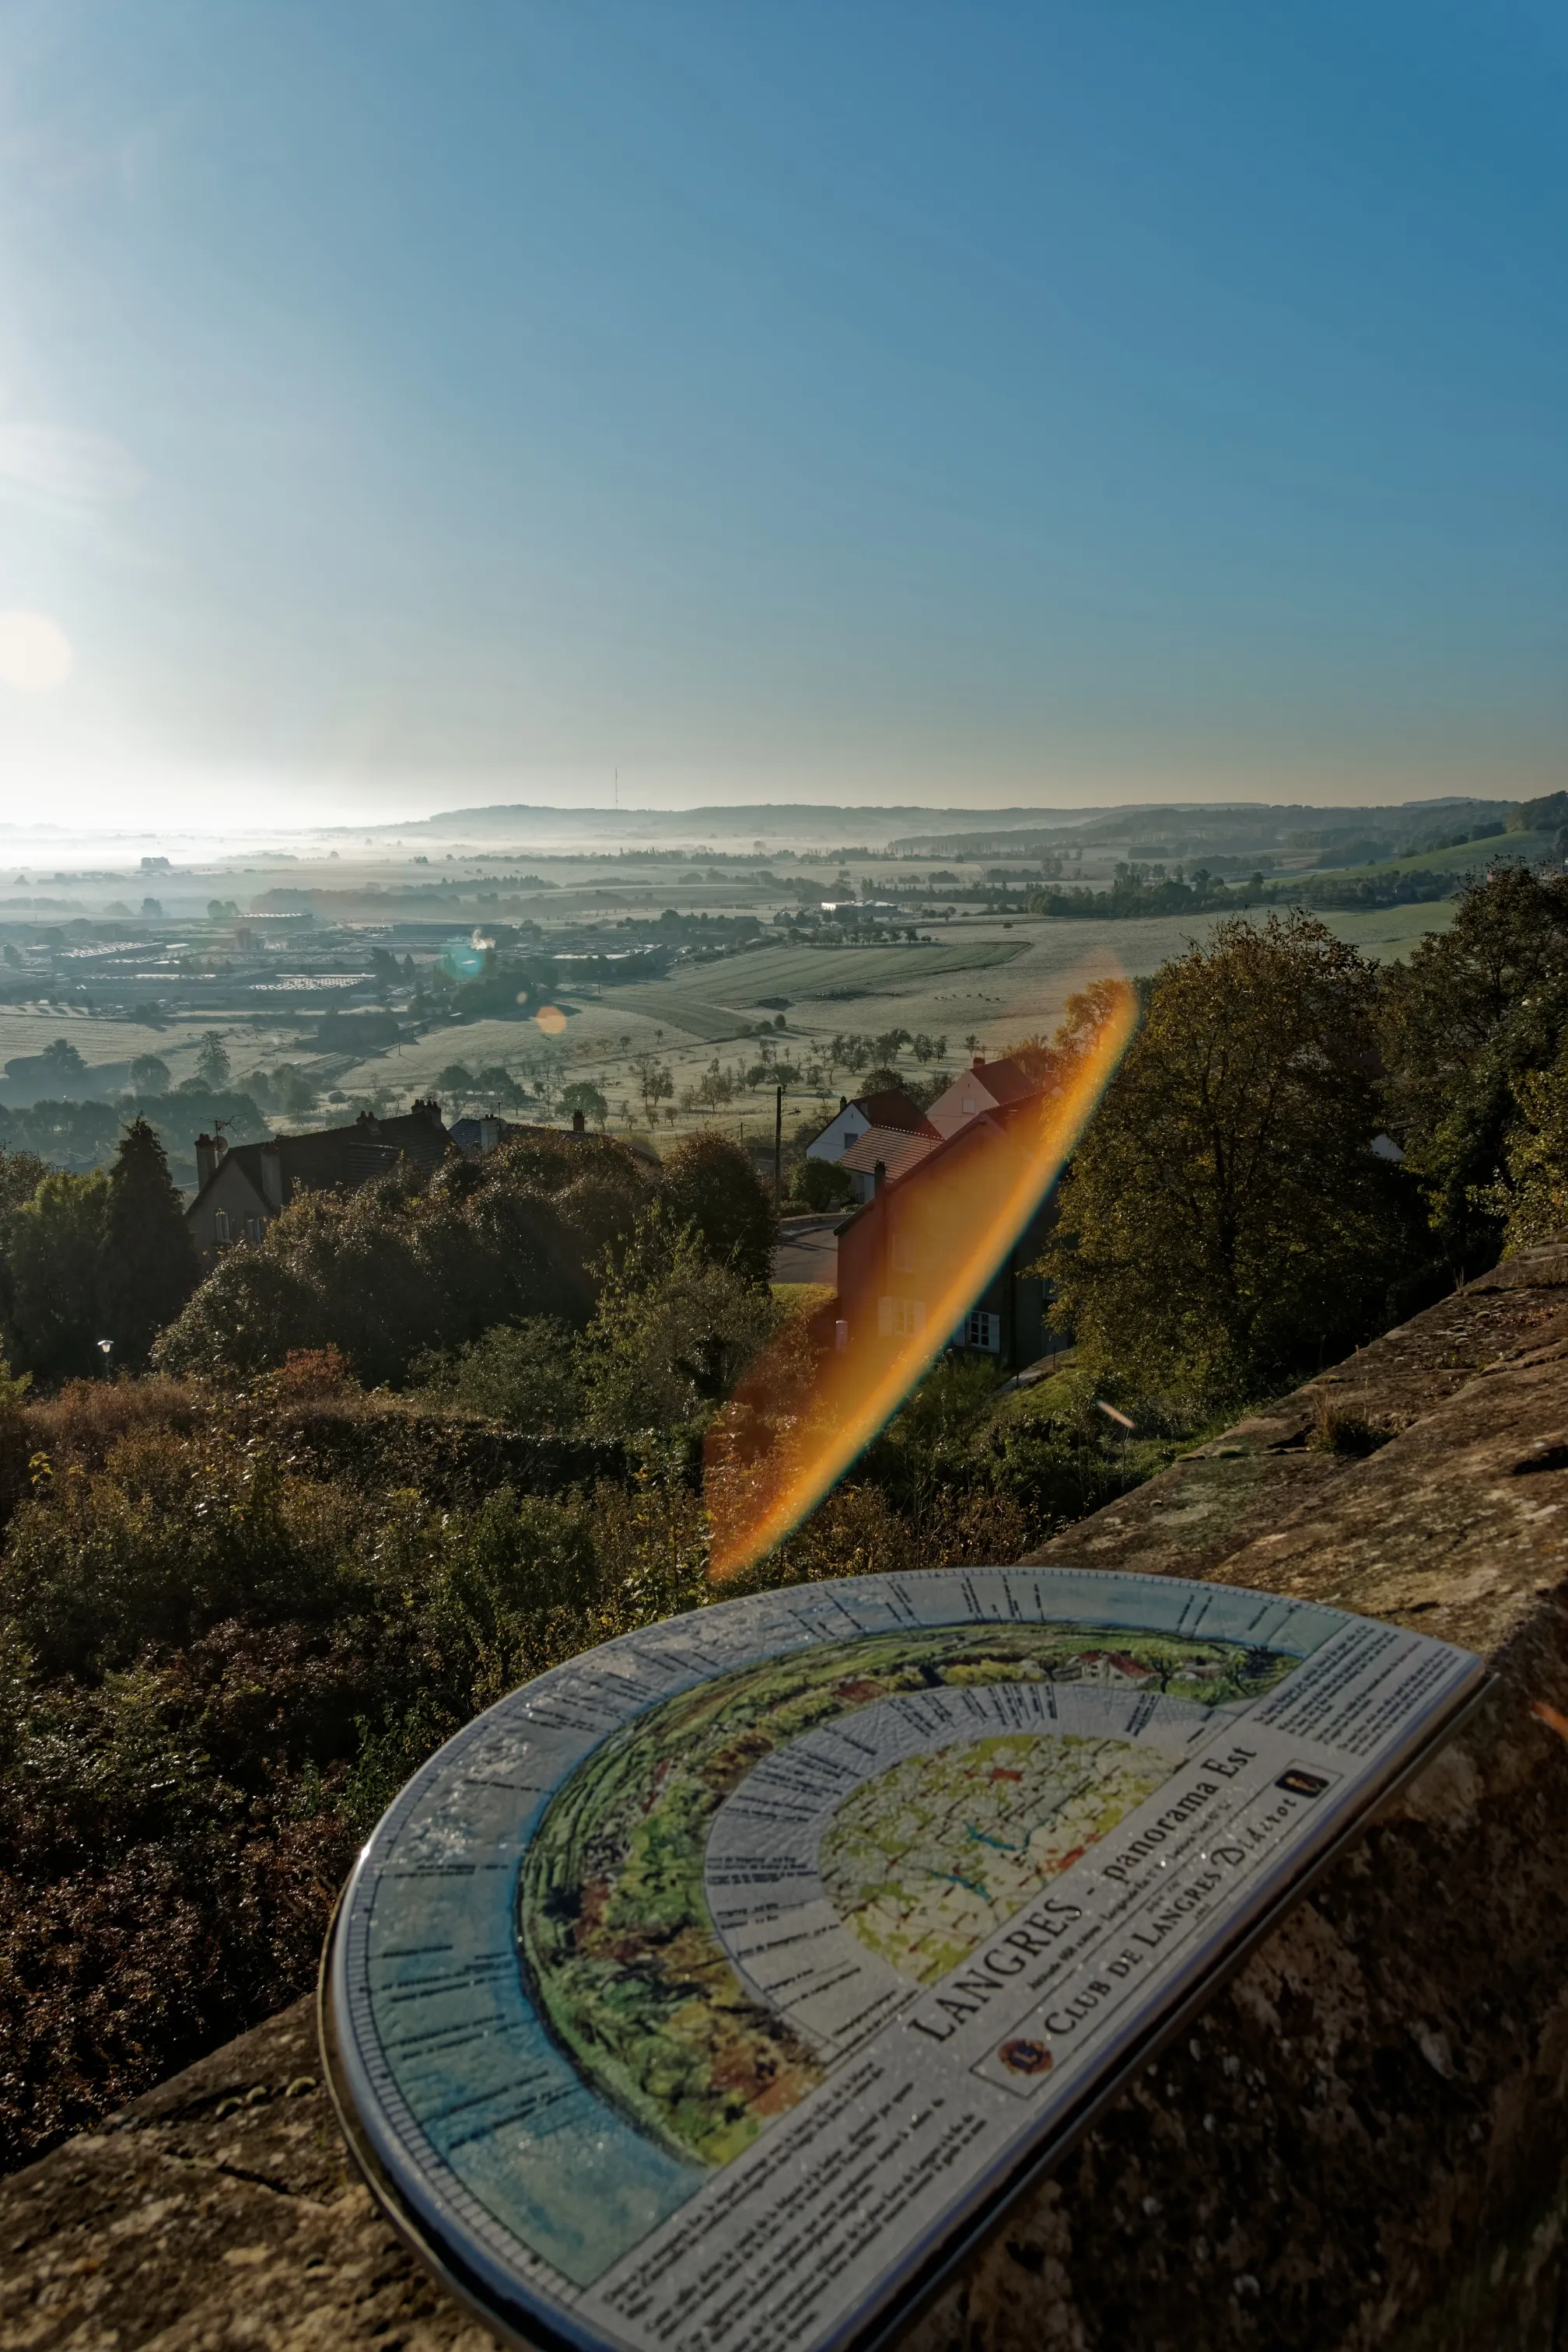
pixel 901 1318
pixel 220 1227
pixel 252 1230
pixel 980 1331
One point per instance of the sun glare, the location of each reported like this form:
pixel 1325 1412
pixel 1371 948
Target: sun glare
pixel 767 1464
pixel 35 654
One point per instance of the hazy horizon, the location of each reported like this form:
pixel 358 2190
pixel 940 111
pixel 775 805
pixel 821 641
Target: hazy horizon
pixel 542 829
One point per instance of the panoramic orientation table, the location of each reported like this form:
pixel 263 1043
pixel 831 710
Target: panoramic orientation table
pixel 711 1992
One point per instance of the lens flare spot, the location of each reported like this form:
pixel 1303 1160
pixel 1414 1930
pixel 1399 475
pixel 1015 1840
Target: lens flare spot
pixel 550 1019
pixel 36 654
pixel 814 1399
pixel 461 960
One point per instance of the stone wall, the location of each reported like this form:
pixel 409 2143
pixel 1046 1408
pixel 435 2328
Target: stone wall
pixel 1362 2141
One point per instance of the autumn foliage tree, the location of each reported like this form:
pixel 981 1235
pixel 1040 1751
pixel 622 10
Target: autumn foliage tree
pixel 1467 1018
pixel 1224 1221
pixel 710 1184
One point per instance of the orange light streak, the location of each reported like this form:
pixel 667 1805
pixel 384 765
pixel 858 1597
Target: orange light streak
pixel 1550 1718
pixel 953 1222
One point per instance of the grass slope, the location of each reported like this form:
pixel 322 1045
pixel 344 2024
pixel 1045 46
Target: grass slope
pixel 709 1001
pixel 1465 858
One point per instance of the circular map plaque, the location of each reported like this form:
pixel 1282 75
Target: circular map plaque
pixel 703 1994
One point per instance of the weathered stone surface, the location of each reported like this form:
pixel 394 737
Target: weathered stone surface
pixel 1360 2145
pixel 220 2210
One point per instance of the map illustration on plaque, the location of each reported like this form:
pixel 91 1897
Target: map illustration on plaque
pixel 707 1989
pixel 945 1790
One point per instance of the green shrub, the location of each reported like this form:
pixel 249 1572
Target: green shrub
pixel 400 1268
pixel 710 1184
pixel 525 1374
pixel 820 1185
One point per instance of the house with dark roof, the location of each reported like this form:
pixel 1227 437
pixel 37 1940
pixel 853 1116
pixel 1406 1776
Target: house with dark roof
pixel 241 1188
pixel 474 1138
pixel 889 1107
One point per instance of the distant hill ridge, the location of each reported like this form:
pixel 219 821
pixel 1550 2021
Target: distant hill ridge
pixel 921 826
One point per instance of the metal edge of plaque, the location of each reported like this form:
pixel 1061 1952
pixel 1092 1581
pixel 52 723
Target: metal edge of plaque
pixel 527 2325
pixel 447 2267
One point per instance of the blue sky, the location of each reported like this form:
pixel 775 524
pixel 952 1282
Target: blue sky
pixel 407 405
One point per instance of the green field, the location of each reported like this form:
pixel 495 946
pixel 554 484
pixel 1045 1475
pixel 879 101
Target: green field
pixel 996 979
pixel 984 981
pixel 715 1001
pixel 103 1042
pixel 1461 859
pixel 671 1008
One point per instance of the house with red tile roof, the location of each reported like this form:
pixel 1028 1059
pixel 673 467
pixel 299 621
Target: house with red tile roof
pixel 889 1107
pixel 894 1150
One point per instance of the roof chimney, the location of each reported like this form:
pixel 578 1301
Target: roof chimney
pixel 207 1160
pixel 979 1062
pixel 843 1102
pixel 879 1175
pixel 579 1123
pixel 271 1159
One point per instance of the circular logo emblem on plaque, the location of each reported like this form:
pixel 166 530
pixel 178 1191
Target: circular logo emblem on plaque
pixel 1026 2057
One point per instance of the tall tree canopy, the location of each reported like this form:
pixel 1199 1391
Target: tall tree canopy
pixel 55 1244
pixel 148 1266
pixel 213 1067
pixel 709 1183
pixel 1225 1220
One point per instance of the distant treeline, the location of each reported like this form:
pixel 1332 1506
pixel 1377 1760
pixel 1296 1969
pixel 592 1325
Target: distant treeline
pixel 82 1135
pixel 1137 893
pixel 1389 890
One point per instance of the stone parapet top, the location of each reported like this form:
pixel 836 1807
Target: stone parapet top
pixel 1360 2143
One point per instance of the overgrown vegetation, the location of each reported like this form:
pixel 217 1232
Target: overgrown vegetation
pixel 428 1439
